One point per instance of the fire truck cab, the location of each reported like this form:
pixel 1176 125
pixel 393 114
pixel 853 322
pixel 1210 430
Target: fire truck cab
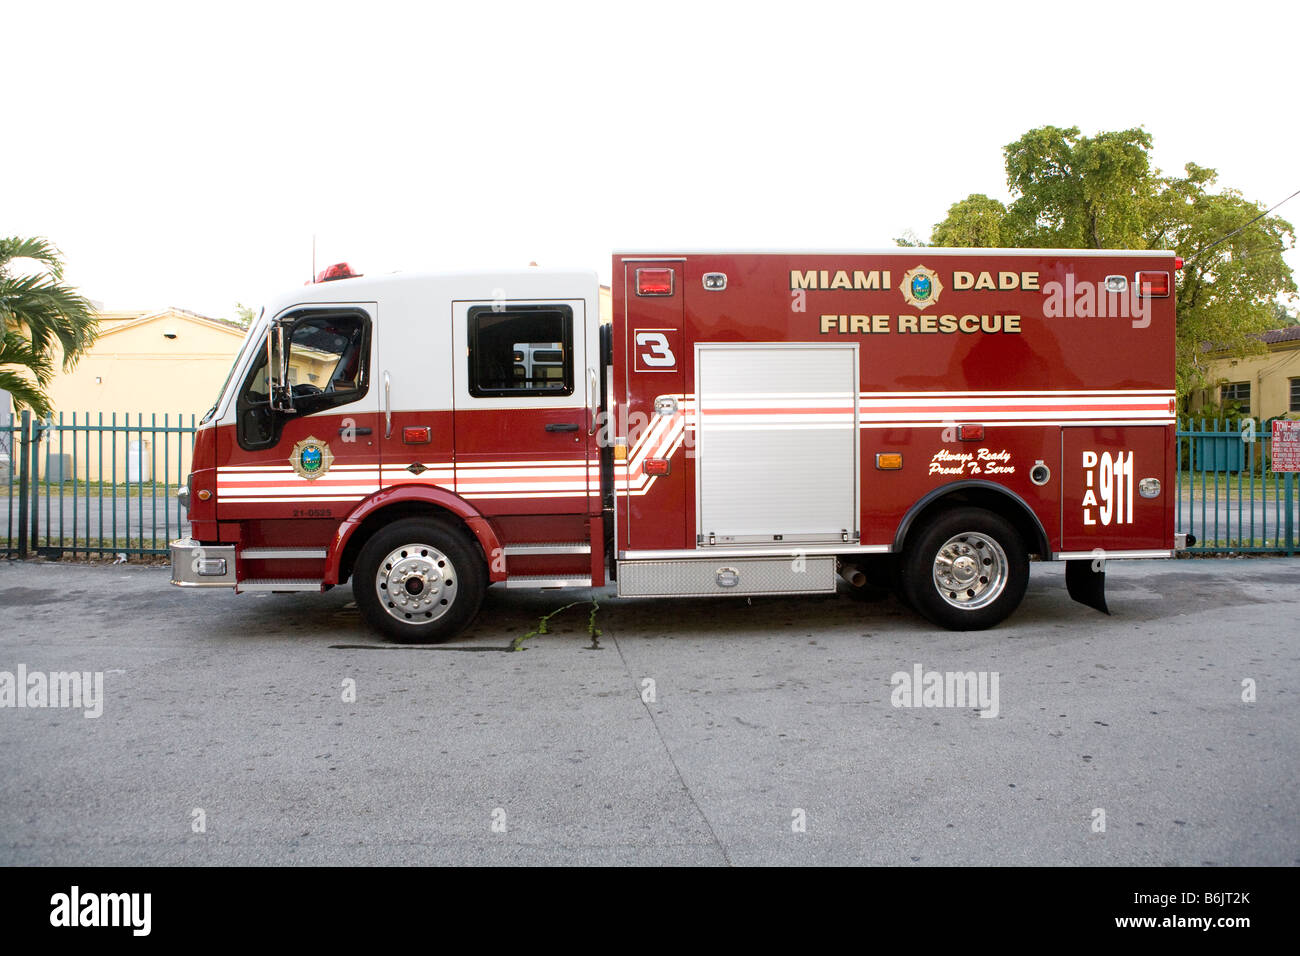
pixel 748 424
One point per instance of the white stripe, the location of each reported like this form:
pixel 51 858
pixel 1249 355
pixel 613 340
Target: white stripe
pixel 288 469
pixel 1020 414
pixel 578 470
pixel 280 501
pixel 558 494
pixel 1038 424
pixel 1011 393
pixel 779 426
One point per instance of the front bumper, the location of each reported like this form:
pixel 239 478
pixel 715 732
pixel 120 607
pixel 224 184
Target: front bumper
pixel 196 565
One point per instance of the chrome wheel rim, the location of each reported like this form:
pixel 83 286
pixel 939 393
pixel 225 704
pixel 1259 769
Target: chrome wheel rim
pixel 970 571
pixel 416 583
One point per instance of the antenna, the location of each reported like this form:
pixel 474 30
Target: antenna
pixel 313 257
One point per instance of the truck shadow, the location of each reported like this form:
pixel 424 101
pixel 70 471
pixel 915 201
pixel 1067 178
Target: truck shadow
pixel 507 616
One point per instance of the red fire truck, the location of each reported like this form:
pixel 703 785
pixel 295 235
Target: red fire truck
pixel 748 424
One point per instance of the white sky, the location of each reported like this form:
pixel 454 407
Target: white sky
pixel 185 154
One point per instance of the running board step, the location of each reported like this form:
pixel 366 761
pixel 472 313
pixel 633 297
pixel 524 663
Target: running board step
pixel 282 554
pixel 536 581
pixel 557 547
pixel 284 584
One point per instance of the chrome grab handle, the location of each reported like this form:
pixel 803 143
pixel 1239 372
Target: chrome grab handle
pixel 388 406
pixel 593 398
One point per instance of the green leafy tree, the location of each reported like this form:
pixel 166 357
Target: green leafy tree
pixel 244 314
pixel 975 221
pixel 1078 192
pixel 1233 273
pixel 1070 191
pixel 41 318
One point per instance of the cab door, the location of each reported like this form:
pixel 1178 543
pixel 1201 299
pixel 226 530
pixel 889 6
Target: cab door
pixel 318 460
pixel 524 427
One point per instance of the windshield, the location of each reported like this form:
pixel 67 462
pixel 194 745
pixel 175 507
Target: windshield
pixel 239 360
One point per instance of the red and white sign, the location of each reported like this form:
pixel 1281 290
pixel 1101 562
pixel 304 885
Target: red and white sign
pixel 1286 445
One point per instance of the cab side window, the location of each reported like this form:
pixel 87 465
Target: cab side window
pixel 327 361
pixel 328 366
pixel 520 350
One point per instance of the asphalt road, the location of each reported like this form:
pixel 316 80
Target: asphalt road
pixel 233 706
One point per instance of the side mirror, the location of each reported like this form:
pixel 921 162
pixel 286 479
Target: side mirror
pixel 277 364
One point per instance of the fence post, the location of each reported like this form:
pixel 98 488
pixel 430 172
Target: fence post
pixel 1290 514
pixel 24 462
pixel 34 528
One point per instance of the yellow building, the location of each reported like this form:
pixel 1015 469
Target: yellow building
pixel 148 368
pixel 1265 385
pixel 153 370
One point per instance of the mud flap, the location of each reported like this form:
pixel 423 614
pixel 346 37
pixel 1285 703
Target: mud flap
pixel 1086 585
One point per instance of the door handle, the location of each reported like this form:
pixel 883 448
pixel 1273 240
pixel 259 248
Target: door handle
pixel 388 406
pixel 562 427
pixel 354 431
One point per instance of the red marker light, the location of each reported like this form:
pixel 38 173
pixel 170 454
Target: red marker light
pixel 1178 262
pixel 1153 285
pixel 654 281
pixel 970 433
pixel 340 270
pixel 656 466
pixel 417 434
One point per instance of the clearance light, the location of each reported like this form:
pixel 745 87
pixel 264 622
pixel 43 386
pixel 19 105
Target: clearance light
pixel 889 461
pixel 970 433
pixel 654 281
pixel 620 452
pixel 656 466
pixel 1153 285
pixel 417 434
pixel 204 494
pixel 1178 262
pixel 340 270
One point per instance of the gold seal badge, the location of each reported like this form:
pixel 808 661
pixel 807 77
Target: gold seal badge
pixel 311 458
pixel 921 287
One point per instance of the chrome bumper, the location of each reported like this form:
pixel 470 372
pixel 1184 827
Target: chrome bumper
pixel 196 565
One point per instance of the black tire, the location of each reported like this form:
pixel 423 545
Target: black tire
pixel 420 607
pixel 966 570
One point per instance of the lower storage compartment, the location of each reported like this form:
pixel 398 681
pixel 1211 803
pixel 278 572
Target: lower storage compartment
pixel 713 575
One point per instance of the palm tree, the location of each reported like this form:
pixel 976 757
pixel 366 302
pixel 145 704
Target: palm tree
pixel 38 314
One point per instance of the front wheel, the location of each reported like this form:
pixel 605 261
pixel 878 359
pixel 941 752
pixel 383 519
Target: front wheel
pixel 967 570
pixel 419 581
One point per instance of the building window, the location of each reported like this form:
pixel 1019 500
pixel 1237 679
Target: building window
pixel 1295 394
pixel 1238 392
pixel 521 350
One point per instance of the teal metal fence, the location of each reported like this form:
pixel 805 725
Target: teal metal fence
pixel 99 484
pixel 95 483
pixel 1228 495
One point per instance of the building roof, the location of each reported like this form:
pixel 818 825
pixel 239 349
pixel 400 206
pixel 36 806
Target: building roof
pixel 1274 336
pixel 122 320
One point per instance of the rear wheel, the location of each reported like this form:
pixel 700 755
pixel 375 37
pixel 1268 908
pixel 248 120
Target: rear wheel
pixel 419 581
pixel 967 570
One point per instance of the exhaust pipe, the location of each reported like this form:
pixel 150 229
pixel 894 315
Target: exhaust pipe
pixel 852 574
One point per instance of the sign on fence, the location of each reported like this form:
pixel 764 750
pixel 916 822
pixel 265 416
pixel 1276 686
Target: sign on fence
pixel 1286 445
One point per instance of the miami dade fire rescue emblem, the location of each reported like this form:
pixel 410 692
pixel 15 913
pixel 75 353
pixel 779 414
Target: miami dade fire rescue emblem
pixel 311 458
pixel 921 287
